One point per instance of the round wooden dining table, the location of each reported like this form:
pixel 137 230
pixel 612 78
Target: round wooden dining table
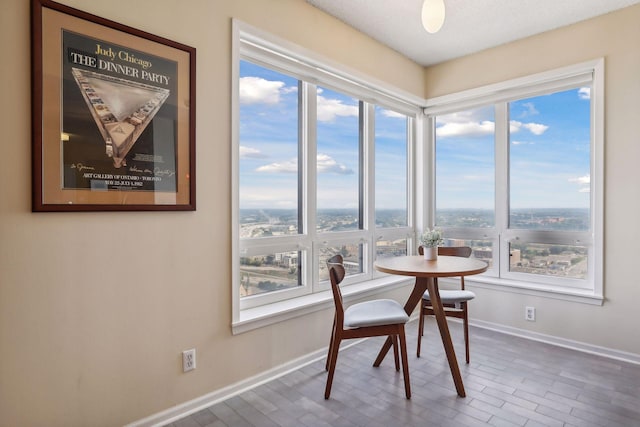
pixel 426 272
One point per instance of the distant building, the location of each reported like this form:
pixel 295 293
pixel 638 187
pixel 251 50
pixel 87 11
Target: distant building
pixel 483 253
pixel 290 259
pixel 516 257
pixel 352 267
pixel 455 242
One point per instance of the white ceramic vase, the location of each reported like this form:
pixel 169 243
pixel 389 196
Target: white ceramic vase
pixel 431 254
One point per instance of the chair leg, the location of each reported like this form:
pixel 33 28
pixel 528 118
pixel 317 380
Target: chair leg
pixel 396 357
pixel 465 321
pixel 333 332
pixel 405 362
pixel 420 327
pixel 335 345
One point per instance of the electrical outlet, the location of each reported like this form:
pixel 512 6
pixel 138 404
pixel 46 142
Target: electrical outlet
pixel 530 314
pixel 189 360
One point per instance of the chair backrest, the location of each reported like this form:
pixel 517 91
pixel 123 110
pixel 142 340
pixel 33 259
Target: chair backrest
pixel 461 251
pixel 335 264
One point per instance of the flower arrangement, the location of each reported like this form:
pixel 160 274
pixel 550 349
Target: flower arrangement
pixel 431 238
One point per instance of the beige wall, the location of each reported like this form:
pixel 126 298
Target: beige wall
pixel 613 37
pixel 95 308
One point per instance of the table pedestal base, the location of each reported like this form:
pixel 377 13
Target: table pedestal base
pixel 422 284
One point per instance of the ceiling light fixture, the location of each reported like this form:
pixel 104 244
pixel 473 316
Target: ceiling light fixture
pixel 433 15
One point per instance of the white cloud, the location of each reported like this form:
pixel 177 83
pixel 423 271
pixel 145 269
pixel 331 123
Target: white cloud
pixel 534 128
pixel 584 93
pixel 329 109
pixel 473 128
pixel 393 114
pixel 466 129
pixel 277 197
pixel 584 182
pixel 251 153
pixel 530 109
pixel 466 116
pixel 255 90
pixel 581 179
pixel 326 164
pixel 289 166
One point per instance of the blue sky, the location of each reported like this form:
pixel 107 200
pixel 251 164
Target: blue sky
pixel 269 145
pixel 549 150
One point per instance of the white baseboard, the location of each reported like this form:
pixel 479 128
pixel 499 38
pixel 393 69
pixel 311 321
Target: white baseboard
pixel 560 342
pixel 185 409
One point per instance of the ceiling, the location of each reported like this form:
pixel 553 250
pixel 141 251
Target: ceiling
pixel 470 25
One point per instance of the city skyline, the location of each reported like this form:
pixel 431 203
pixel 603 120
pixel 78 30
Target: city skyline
pixel 258 222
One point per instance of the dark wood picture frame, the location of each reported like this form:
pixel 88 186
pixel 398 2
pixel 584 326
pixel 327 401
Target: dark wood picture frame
pixel 113 115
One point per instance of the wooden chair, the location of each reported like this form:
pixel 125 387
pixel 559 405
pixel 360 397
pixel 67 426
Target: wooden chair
pixel 366 319
pixel 453 301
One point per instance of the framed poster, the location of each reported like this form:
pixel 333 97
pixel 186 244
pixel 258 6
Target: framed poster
pixel 113 115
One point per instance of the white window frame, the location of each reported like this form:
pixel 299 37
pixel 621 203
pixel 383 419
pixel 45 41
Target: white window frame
pixel 266 50
pixel 587 73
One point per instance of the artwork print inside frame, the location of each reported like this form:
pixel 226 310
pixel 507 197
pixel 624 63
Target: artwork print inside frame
pixel 113 115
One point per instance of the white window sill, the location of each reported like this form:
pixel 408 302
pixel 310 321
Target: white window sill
pixel 268 314
pixel 585 296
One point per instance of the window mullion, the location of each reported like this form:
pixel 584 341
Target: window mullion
pixel 308 185
pixel 502 186
pixel 412 124
pixel 596 254
pixel 367 166
pixel 425 190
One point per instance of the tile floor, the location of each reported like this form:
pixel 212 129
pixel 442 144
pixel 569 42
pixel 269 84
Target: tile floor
pixel 510 382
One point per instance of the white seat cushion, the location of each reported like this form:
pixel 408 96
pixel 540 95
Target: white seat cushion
pixel 374 313
pixel 452 296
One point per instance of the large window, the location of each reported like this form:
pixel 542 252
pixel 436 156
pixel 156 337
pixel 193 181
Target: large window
pixel 392 182
pixel 549 187
pixel 465 179
pixel 518 179
pixel 268 179
pixel 322 167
